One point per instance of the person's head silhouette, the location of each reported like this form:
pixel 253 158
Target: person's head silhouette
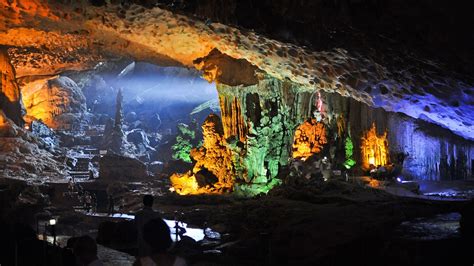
pixel 148 201
pixel 85 250
pixel 156 234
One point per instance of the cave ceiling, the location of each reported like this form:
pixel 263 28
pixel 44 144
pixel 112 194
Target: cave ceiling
pixel 47 38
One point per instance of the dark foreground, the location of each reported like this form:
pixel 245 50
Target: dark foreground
pixel 335 223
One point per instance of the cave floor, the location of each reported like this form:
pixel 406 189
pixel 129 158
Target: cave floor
pixel 291 225
pixel 304 225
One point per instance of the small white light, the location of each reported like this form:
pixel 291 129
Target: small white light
pixel 52 222
pixel 399 179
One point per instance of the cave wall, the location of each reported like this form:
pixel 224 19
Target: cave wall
pixel 56 100
pixel 431 152
pixel 260 120
pixel 10 95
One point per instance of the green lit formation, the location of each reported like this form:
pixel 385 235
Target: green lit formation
pixel 349 148
pixel 259 122
pixel 184 139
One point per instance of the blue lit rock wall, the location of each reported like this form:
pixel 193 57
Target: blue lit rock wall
pixel 432 152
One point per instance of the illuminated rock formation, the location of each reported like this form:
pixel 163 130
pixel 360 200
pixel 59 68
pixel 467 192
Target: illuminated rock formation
pixel 349 153
pixel 183 145
pixel 309 139
pixel 10 96
pixel 265 86
pixel 374 149
pixel 213 171
pixel 259 121
pixel 56 100
pixel 395 81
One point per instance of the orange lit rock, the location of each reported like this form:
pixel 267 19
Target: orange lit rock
pixel 10 97
pixel 6 126
pixel 309 139
pixel 56 100
pixel 213 170
pixel 221 68
pixel 374 148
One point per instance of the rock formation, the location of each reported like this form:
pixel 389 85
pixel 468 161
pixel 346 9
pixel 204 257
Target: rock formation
pixel 309 139
pixel 10 96
pixel 114 137
pixel 119 168
pixel 24 156
pixel 267 87
pixel 55 100
pixel 213 171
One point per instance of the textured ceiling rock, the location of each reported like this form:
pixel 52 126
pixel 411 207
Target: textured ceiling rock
pixel 397 82
pixel 221 68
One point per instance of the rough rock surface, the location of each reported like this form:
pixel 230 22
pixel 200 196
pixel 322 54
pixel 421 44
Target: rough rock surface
pixel 430 152
pixel 119 168
pixel 402 83
pixel 56 100
pixel 23 156
pixel 10 96
pixel 309 139
pixel 259 122
pixel 213 170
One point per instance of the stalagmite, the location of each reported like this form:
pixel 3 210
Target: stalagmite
pixel 374 148
pixel 213 170
pixel 309 139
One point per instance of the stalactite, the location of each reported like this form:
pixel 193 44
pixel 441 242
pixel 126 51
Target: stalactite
pixel 266 116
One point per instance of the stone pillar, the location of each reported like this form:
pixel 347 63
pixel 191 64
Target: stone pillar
pixel 259 122
pixel 10 95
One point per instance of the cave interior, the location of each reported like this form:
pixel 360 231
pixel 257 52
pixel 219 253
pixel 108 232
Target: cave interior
pixel 286 131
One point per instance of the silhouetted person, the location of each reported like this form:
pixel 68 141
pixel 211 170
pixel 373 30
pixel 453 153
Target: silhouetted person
pixel 85 251
pixel 141 218
pixel 87 201
pixel 157 235
pixel 71 186
pixel 111 205
pixel 94 202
